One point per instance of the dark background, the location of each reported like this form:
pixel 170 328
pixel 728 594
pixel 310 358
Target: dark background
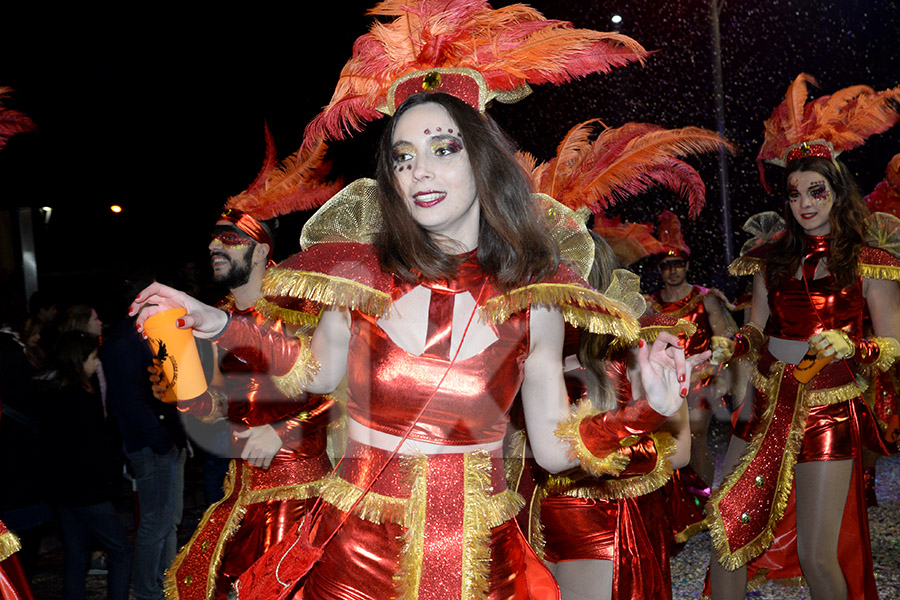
pixel 160 109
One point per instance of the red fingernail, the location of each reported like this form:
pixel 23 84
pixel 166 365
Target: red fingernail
pixel 180 322
pixel 140 327
pixel 684 391
pixel 681 378
pixel 641 343
pixel 681 342
pixel 137 298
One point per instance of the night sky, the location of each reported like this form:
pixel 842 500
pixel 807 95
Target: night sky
pixel 162 112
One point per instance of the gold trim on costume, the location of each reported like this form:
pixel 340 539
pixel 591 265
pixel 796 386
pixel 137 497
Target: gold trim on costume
pixel 9 545
pixel 572 301
pixel 326 289
pixel 295 381
pixel 770 388
pixel 408 576
pixel 374 508
pixel 569 431
pixel 270 310
pixel 888 353
pixel 476 531
pixel 626 487
pixel 746 265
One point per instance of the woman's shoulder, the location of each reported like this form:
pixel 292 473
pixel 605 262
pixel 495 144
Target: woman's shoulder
pixel 332 274
pixel 880 257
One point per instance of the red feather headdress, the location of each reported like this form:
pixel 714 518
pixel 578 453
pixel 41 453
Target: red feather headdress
pixel 670 236
pixel 300 182
pixel 619 163
pixel 465 48
pixel 886 195
pixel 12 122
pixel 826 126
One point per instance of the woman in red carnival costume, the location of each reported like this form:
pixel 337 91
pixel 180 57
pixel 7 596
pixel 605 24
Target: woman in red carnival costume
pixel 444 294
pixel 799 445
pixel 605 532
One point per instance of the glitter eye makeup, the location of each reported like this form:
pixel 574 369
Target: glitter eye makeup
pixel 402 152
pixel 819 192
pixel 445 145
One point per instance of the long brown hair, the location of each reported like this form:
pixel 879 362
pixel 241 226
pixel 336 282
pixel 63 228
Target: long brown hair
pixel 847 219
pixel 514 247
pixel 592 347
pixel 71 350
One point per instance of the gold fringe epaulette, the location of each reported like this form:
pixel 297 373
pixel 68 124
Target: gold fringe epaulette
pixel 888 272
pixel 569 431
pixel 9 545
pixel 295 381
pixel 625 487
pixel 273 311
pixel 745 265
pixel 327 290
pixel 581 307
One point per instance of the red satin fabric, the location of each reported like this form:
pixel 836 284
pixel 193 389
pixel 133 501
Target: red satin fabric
pixel 632 532
pixel 388 385
pixel 698 342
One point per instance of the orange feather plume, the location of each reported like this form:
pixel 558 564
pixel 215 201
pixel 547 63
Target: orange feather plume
pixel 510 47
pixel 840 122
pixel 300 182
pixel 618 163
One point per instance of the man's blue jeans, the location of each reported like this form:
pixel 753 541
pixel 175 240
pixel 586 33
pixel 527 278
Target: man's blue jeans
pixel 78 525
pixel 159 479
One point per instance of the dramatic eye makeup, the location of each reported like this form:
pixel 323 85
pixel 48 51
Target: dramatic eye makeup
pixel 445 145
pixel 819 192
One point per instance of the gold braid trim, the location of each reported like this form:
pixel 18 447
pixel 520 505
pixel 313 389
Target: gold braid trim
pixel 690 531
pixel 745 265
pixel 770 387
pixel 374 508
pixel 687 308
pixel 651 332
pixel 295 381
pixel 889 352
pixel 9 545
pixel 476 557
pixel 326 289
pixel 270 310
pixel 408 576
pixel 889 272
pixel 626 487
pixel 285 492
pixel 514 459
pixel 535 525
pixel 837 394
pixel 569 431
pixel 170 585
pixel 573 301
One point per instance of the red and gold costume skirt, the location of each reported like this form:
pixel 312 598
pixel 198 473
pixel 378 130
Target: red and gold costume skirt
pixel 431 527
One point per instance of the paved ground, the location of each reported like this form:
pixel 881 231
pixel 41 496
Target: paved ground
pixel 688 568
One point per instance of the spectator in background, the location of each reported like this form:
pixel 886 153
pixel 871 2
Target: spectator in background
pixel 154 445
pixel 84 470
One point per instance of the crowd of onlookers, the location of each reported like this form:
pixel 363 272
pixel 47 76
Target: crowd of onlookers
pixel 80 432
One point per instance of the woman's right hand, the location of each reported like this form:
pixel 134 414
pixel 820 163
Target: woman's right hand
pixel 205 320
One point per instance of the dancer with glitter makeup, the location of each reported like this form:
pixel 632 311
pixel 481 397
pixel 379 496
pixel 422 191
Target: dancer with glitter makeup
pixel 444 295
pixel 791 503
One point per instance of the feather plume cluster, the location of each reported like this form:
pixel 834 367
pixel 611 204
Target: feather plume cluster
pixel 886 195
pixel 845 119
pixel 597 170
pixel 623 162
pixel 300 182
pixel 12 122
pixel 511 47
